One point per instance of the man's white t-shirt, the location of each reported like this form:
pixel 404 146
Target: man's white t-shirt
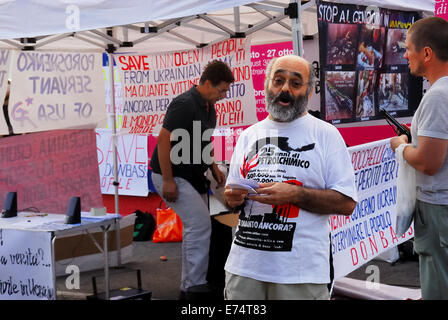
pixel 286 244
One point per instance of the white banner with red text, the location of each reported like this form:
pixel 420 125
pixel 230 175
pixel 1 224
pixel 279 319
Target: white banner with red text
pixel 369 231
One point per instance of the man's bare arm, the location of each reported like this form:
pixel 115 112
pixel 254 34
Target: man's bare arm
pixel 428 157
pixel 313 200
pixel 169 187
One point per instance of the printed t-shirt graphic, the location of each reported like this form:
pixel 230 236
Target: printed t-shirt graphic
pixel 264 253
pixel 272 230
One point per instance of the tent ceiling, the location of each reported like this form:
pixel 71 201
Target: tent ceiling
pixel 266 20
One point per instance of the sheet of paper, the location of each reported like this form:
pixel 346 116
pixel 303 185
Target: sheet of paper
pixel 247 184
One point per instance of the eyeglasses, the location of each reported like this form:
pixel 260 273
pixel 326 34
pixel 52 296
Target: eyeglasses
pixel 221 91
pixel 295 84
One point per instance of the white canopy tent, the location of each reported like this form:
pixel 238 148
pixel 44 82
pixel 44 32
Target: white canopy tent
pixel 162 25
pixel 150 26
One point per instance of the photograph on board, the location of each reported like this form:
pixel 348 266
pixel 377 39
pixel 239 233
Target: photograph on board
pixel 365 99
pixel 339 91
pixel 395 47
pixel 393 91
pixel 370 47
pixel 341 43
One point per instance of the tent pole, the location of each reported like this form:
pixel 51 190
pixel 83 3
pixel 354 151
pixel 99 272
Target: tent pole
pixel 114 142
pixel 114 127
pixel 296 26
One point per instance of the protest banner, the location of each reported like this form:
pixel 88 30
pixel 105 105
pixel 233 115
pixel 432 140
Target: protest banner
pixel 46 169
pixel 26 271
pixel 369 231
pixel 57 90
pixel 132 159
pixel 441 9
pixel 151 81
pixel 5 58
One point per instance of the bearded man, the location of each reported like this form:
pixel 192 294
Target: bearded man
pixel 281 248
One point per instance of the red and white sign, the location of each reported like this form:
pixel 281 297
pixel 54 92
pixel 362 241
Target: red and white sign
pixel 369 231
pixel 151 81
pixel 47 168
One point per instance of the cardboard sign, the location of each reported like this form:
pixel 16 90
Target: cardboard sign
pixel 56 90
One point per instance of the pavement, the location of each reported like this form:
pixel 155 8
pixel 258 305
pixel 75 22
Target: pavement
pixel 161 276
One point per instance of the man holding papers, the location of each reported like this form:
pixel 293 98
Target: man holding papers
pixel 303 170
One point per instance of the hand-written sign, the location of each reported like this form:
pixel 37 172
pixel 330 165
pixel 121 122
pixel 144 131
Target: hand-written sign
pixel 132 159
pixel 151 81
pixel 5 58
pixel 56 90
pixel 25 266
pixel 46 169
pixel 369 231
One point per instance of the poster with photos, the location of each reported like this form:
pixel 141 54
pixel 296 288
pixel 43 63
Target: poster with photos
pixel 362 63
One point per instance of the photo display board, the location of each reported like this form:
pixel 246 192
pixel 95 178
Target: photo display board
pixel 362 65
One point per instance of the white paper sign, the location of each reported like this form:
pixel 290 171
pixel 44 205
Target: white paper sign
pixel 132 158
pixel 57 90
pixel 26 271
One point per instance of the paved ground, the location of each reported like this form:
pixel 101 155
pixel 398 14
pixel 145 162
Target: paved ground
pixel 162 278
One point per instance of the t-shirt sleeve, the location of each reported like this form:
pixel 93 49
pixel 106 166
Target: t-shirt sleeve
pixel 339 173
pixel 178 115
pixel 433 120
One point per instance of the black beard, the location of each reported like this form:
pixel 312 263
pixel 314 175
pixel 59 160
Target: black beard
pixel 285 114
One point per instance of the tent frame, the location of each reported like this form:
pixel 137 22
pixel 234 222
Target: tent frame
pixel 273 12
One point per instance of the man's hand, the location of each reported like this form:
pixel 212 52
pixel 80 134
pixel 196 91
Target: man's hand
pixel 219 176
pixel 325 201
pixel 234 197
pixel 398 133
pixel 276 193
pixel 396 141
pixel 169 190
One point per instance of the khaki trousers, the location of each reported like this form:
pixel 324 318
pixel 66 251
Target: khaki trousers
pixel 242 288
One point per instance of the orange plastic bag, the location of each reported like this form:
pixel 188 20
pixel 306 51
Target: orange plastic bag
pixel 169 226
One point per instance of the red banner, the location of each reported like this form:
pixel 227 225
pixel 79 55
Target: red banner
pixel 47 168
